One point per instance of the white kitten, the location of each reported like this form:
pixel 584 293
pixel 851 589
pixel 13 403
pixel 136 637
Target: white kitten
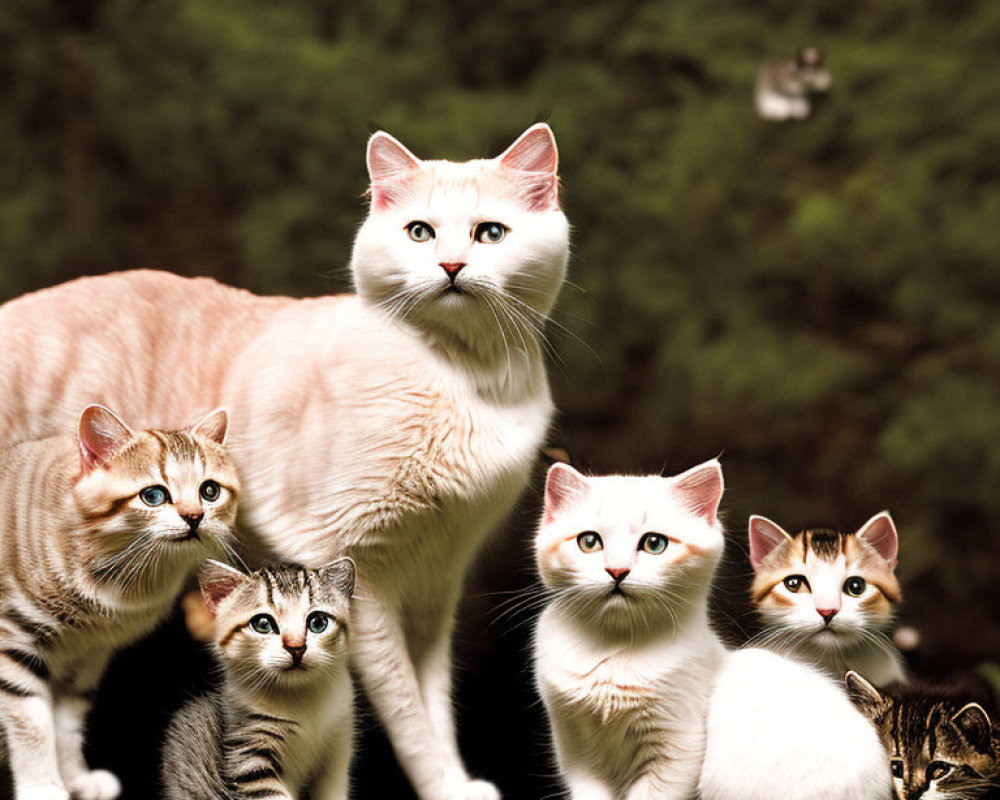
pixel 625 655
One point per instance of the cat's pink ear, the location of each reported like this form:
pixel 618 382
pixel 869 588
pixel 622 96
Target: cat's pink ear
pixel 342 574
pixel 563 486
pixel 217 581
pixel 535 153
pixel 701 488
pixel 865 696
pixel 974 723
pixel 388 161
pixel 101 434
pixel 880 533
pixel 214 426
pixel 764 537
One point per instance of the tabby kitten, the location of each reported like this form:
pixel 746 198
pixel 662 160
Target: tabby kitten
pixel 784 85
pixel 282 719
pixel 624 653
pixel 99 534
pixel 828 597
pixel 940 746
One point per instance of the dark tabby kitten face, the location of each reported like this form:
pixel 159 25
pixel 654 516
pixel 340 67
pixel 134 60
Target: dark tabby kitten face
pixel 939 747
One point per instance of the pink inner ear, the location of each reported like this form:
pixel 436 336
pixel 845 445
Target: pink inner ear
pixel 535 155
pixel 701 489
pixel 216 587
pixel 764 537
pixel 101 434
pixel 388 162
pixel 562 486
pixel 214 426
pixel 880 533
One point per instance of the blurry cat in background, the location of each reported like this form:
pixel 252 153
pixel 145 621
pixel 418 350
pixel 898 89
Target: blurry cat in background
pixel 785 84
pixel 281 721
pixel 940 745
pixel 99 534
pixel 828 598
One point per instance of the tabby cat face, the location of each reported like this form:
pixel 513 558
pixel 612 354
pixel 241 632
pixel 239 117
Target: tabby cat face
pixel 464 247
pixel 149 495
pixel 280 626
pixel 829 588
pixel 629 550
pixel 938 747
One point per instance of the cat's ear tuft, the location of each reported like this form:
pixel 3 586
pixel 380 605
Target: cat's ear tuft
pixel 563 486
pixel 974 723
pixel 765 536
pixel 701 488
pixel 535 154
pixel 865 696
pixel 101 435
pixel 388 160
pixel 880 533
pixel 342 573
pixel 217 581
pixel 214 426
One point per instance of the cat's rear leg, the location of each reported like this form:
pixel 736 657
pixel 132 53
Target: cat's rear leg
pixel 389 678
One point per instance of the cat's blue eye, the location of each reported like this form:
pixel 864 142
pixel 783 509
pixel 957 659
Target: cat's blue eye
pixel 420 231
pixel 490 232
pixel 796 583
pixel 264 623
pixel 855 586
pixel 590 542
pixel 653 543
pixel 317 622
pixel 896 765
pixel 938 769
pixel 155 495
pixel 210 491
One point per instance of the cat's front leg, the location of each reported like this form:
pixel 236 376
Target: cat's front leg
pixel 387 673
pixel 583 785
pixel 31 742
pixel 70 714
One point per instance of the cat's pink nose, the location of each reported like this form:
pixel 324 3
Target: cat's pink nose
pixel 297 650
pixel 452 268
pixel 827 614
pixel 618 573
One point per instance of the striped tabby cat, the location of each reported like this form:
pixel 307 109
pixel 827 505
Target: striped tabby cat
pixel 282 719
pixel 828 597
pixel 940 746
pixel 99 534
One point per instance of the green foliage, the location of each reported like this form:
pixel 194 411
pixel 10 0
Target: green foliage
pixel 817 300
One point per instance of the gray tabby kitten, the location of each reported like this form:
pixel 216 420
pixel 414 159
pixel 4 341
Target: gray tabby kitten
pixel 281 723
pixel 98 535
pixel 940 745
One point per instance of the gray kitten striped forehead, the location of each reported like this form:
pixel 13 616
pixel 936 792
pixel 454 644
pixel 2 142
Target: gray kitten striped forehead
pixel 329 585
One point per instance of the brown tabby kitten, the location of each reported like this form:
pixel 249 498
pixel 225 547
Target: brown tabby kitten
pixel 98 535
pixel 940 745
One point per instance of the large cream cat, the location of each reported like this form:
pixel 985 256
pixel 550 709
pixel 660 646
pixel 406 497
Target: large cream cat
pixel 397 426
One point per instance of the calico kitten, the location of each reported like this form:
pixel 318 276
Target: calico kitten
pixel 419 404
pixel 282 719
pixel 98 537
pixel 940 745
pixel 624 653
pixel 784 85
pixel 828 598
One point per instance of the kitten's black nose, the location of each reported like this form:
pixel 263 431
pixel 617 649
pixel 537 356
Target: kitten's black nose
pixel 452 268
pixel 193 520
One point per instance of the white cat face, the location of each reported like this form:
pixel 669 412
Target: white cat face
pixel 633 548
pixel 477 249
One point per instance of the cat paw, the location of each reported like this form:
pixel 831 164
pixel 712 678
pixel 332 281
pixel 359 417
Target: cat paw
pixel 97 785
pixel 477 790
pixel 48 792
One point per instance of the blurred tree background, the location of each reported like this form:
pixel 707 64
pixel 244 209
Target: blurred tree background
pixel 815 300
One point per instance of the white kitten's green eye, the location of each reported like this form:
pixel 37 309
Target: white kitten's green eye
pixel 264 623
pixel 155 495
pixel 490 232
pixel 210 491
pixel 317 621
pixel 896 765
pixel 938 769
pixel 590 542
pixel 420 231
pixel 855 586
pixel 796 583
pixel 653 543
